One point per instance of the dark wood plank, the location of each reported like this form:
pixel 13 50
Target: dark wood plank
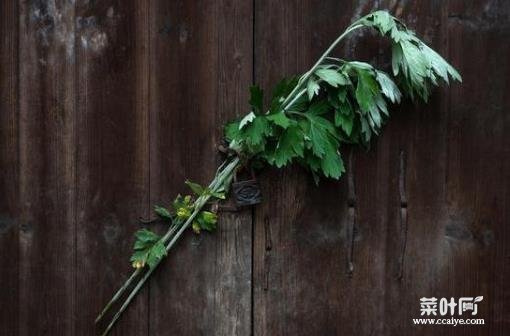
pixel 301 282
pixel 418 134
pixel 301 239
pixel 457 174
pixel 476 231
pixel 201 65
pixel 113 155
pixel 9 161
pixel 47 150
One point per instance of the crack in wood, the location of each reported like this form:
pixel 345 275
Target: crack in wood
pixel 267 255
pixel 403 214
pixel 351 225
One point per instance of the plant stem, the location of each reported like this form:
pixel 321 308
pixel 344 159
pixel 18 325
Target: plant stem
pixel 126 284
pixel 289 105
pixel 118 294
pixel 138 271
pixel 223 173
pixel 221 180
pixel 309 73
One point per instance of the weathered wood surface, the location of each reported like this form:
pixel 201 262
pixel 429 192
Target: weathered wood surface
pixel 201 66
pixel 106 107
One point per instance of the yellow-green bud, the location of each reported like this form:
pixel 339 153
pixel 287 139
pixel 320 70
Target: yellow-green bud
pixel 183 213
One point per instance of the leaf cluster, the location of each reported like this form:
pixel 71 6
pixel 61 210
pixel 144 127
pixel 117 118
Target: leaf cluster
pixel 337 102
pixel 149 247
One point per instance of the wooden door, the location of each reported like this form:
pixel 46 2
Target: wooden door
pixel 108 106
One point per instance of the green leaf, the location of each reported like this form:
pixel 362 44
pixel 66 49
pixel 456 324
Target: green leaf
pixel 345 121
pixel 219 195
pixel 365 90
pixel 148 249
pixel 321 133
pixel 195 187
pixel 319 107
pixel 280 92
pixel 388 87
pixel 332 77
pixel 439 65
pixel 254 133
pixel 383 21
pixel 256 99
pixel 416 63
pixel 156 253
pixel 162 212
pixel 332 165
pixel 280 119
pixel 312 88
pixel 247 119
pixel 360 65
pixel 207 220
pixel 345 102
pixel 145 238
pixel 290 145
pixel 232 131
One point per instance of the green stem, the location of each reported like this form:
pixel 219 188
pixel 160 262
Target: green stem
pixel 126 284
pixel 137 272
pixel 309 73
pixel 222 178
pixel 118 294
pixel 223 172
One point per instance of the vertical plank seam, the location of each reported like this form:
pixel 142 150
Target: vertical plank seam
pixel 75 159
pixel 403 214
pixel 352 208
pixel 254 210
pixel 18 154
pixel 268 243
pixel 147 12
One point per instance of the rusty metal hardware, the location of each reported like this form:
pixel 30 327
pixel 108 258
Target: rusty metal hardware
pixel 247 192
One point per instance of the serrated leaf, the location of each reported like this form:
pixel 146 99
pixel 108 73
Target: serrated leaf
pixel 290 145
pixel 342 95
pixel 319 107
pixel 219 195
pixel 162 212
pixel 365 90
pixel 344 121
pixel 207 220
pixel 332 165
pixel 439 65
pixel 145 236
pixel 332 77
pixel 156 253
pixel 254 133
pixel 322 134
pixel 360 65
pixel 148 249
pixel 232 130
pixel 256 99
pixel 280 119
pixel 397 58
pixel 312 89
pixel 388 87
pixel 195 187
pixel 247 119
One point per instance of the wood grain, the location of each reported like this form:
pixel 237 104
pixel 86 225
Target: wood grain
pixel 201 66
pixel 354 258
pixel 47 168
pixel 113 156
pixel 9 163
pixel 106 107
